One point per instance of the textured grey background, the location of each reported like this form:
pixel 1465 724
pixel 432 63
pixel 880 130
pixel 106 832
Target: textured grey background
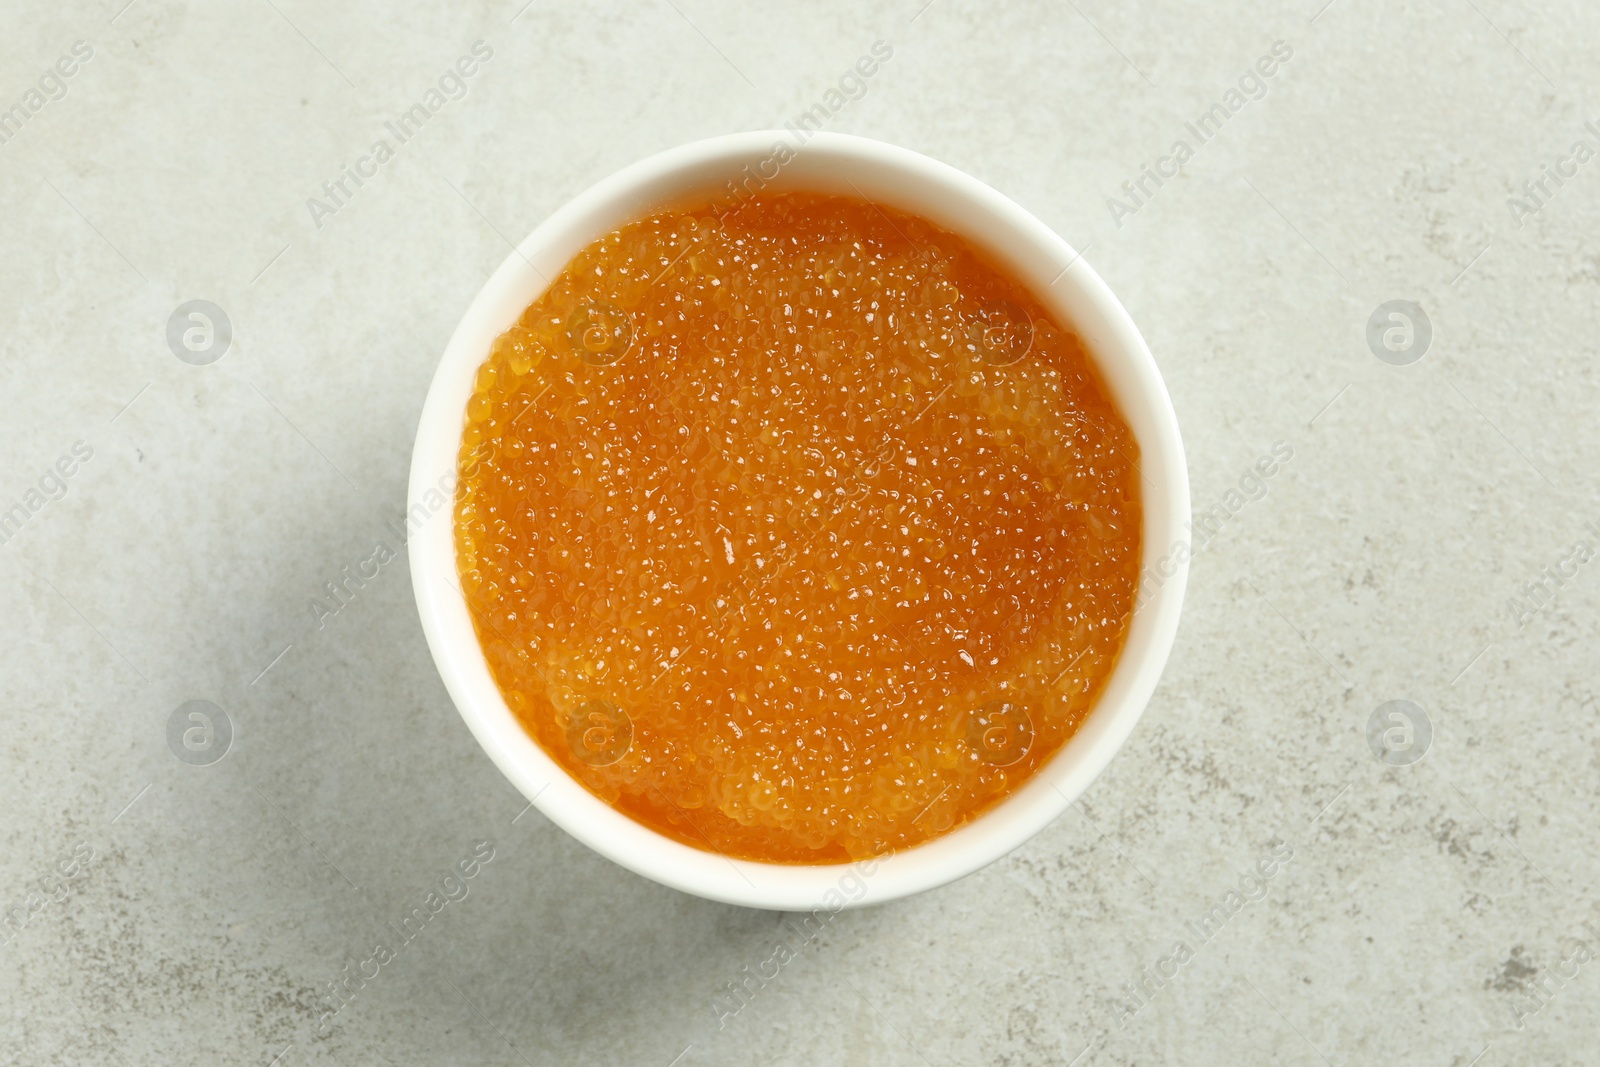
pixel 1427 910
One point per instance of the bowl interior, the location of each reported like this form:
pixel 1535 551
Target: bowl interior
pixel 726 168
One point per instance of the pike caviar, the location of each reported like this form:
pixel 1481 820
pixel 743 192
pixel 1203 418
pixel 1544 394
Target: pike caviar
pixel 799 533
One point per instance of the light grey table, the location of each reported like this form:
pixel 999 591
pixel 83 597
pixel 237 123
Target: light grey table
pixel 179 517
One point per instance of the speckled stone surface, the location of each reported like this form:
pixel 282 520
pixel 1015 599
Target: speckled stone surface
pixel 1422 542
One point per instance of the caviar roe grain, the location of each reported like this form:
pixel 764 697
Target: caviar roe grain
pixel 802 533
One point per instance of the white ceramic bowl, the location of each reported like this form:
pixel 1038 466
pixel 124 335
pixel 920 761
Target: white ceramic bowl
pixel 1063 283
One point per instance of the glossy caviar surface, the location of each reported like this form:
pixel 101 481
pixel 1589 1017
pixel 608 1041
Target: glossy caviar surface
pixel 797 532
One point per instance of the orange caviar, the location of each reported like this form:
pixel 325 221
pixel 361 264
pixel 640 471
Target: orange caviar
pixel 799 533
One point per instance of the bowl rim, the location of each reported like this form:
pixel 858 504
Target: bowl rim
pixel 1022 244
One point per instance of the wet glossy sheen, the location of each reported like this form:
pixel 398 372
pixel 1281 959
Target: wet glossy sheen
pixel 799 533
